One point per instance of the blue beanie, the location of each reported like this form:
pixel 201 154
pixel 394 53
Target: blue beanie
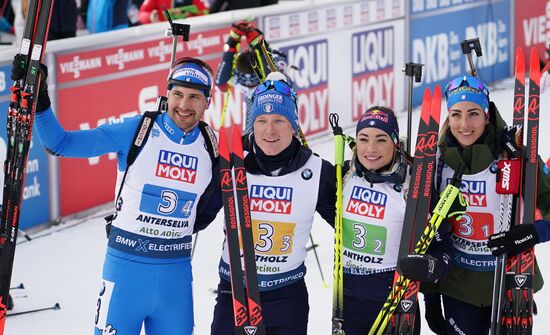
pixel 382 118
pixel 467 88
pixel 274 102
pixel 191 75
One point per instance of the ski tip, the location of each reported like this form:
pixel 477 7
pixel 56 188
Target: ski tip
pixel 534 73
pixel 436 104
pixel 426 106
pixel 223 144
pixel 520 66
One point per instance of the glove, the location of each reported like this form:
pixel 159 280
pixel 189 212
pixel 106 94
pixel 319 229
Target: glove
pixel 254 36
pixel 434 315
pixel 238 29
pixel 514 241
pixel 424 268
pixel 18 73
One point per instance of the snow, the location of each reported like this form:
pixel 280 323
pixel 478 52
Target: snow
pixel 63 264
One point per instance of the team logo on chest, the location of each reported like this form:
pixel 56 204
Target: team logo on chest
pixel 366 202
pixel 475 191
pixel 176 166
pixel 271 199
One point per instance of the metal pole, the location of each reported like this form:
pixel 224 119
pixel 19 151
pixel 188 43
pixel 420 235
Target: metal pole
pixel 411 70
pixel 467 47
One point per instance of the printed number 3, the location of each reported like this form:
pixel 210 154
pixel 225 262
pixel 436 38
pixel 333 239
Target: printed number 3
pixel 359 238
pixel 265 233
pixel 360 241
pixel 170 203
pixel 265 236
pixel 170 199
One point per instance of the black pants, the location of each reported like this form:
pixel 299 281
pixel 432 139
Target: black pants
pixel 285 310
pixel 466 319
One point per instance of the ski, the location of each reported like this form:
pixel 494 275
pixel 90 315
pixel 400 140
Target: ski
pixel 510 171
pixel 19 131
pixel 518 306
pixel 247 237
pixel 246 306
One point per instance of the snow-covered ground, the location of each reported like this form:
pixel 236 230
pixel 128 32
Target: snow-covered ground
pixel 63 264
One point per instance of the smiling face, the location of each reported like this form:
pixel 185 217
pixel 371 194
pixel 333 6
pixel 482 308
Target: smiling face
pixel 375 149
pixel 186 106
pixel 272 133
pixel 467 122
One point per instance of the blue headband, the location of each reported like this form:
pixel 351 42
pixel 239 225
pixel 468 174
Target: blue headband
pixel 191 75
pixel 467 88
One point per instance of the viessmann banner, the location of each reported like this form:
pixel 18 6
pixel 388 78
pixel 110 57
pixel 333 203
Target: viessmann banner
pixel 533 27
pixel 438 27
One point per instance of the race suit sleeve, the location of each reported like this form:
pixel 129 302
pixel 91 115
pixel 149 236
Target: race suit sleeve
pixel 210 202
pixel 115 137
pixel 224 71
pixel 326 199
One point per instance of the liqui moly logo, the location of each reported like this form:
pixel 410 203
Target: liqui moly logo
pixel 271 199
pixel 312 21
pixel 275 27
pixel 365 12
pixel 348 15
pixel 380 9
pixel 367 203
pixel 311 80
pixel 331 18
pixel 176 166
pixel 294 24
pixel 474 191
pixel 372 66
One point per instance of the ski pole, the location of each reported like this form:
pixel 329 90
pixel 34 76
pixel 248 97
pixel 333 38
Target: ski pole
pixel 338 272
pixel 54 307
pixel 314 247
pixel 18 287
pixel 194 245
pixel 25 235
pixel 467 47
pixel 231 79
pixel 230 84
pixel 411 70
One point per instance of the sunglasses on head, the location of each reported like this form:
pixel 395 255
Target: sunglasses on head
pixel 468 82
pixel 278 85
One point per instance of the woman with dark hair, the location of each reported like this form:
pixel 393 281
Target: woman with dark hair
pixel 472 136
pixel 377 177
